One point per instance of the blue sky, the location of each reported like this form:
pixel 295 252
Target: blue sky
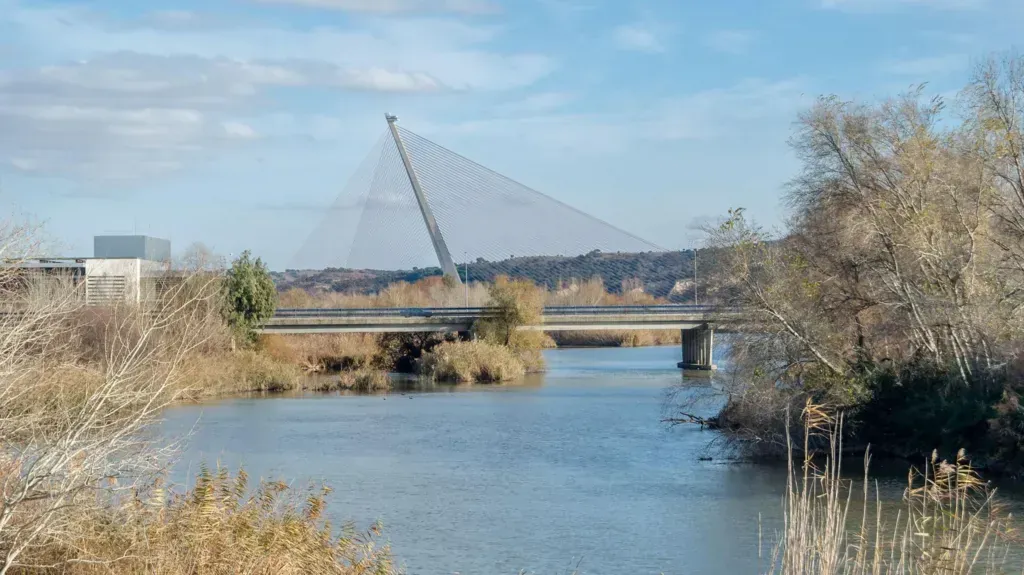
pixel 236 122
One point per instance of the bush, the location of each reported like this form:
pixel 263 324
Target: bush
pixel 921 406
pixel 250 296
pixel 472 362
pixel 516 303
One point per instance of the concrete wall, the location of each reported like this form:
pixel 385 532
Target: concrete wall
pixel 122 280
pixel 110 281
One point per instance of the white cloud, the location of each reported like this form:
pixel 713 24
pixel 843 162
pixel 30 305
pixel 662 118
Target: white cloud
pixel 639 37
pixel 452 52
pixel 174 17
pixel 396 6
pixel 129 100
pixel 239 130
pixel 887 5
pixel 703 115
pixel 927 67
pixel 536 103
pixel 730 41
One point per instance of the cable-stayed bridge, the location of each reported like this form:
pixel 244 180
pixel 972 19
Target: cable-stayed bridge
pixel 415 205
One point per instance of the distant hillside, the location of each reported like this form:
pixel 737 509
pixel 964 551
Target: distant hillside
pixel 658 273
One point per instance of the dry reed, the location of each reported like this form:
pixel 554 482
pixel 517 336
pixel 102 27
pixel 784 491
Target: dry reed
pixel 432 292
pixel 620 338
pixel 240 371
pixel 472 362
pixel 221 526
pixel 949 523
pixel 319 353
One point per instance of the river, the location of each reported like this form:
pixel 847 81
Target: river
pixel 571 468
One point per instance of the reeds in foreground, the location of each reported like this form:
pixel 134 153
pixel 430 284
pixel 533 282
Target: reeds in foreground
pixel 949 523
pixel 222 526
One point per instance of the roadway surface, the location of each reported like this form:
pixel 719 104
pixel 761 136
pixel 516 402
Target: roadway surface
pixel 568 318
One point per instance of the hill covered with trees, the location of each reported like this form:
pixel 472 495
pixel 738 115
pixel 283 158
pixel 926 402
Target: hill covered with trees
pixel 661 274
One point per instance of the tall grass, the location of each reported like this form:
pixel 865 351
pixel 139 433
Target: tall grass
pixel 428 292
pixel 319 353
pixel 239 371
pixel 949 523
pixel 472 362
pixel 433 292
pixel 616 338
pixel 222 526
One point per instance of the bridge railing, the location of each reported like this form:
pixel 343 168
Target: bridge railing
pixel 484 311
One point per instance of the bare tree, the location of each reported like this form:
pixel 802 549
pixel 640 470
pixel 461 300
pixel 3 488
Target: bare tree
pixel 75 425
pixel 905 243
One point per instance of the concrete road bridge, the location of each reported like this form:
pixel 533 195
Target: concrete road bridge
pixel 697 323
pixel 416 204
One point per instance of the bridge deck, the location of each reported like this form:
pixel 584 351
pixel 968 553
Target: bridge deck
pixel 398 320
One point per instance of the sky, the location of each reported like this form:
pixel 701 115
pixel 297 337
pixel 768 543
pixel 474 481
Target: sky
pixel 236 123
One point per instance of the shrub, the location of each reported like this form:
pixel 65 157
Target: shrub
pixel 250 296
pixel 472 362
pixel 516 303
pixel 920 406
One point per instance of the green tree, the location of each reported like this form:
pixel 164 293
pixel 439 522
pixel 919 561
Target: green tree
pixel 250 296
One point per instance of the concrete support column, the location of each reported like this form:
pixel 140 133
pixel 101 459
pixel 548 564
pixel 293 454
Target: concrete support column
pixel 698 349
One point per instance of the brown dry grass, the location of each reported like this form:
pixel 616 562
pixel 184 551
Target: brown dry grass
pixel 365 381
pixel 221 527
pixel 636 338
pixel 319 353
pixel 428 292
pixel 432 292
pixel 472 362
pixel 241 371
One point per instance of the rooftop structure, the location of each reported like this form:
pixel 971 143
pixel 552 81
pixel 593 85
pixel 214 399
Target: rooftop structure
pixel 124 268
pixel 137 247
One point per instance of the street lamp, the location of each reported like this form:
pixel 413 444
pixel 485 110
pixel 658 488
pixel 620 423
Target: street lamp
pixel 465 255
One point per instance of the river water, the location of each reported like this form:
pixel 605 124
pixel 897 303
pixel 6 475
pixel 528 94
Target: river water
pixel 574 468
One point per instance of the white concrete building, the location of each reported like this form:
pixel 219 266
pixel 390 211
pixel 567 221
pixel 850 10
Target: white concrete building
pixel 126 273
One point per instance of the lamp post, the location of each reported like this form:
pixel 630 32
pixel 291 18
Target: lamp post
pixel 466 256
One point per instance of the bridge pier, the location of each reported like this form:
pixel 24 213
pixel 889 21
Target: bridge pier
pixel 698 349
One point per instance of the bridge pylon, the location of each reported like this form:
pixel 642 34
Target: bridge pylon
pixel 698 349
pixel 444 257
